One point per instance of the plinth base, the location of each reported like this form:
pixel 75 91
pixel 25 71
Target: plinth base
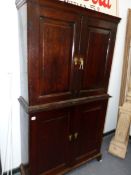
pixel 118 149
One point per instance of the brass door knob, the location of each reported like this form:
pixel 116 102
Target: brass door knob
pixel 81 64
pixel 76 135
pixel 70 138
pixel 76 61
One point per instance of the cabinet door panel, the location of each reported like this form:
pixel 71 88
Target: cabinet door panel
pixel 57 45
pixel 89 126
pixel 96 49
pixel 51 132
pixel 96 58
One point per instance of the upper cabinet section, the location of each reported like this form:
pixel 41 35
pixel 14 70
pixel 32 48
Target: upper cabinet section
pixel 70 51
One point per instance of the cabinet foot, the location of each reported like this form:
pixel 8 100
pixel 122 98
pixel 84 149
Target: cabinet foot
pixel 99 158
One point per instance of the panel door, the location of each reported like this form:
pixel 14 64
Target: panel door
pixel 53 71
pixel 89 129
pixel 49 149
pixel 96 51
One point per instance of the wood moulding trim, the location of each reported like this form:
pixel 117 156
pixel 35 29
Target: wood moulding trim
pixel 75 8
pixel 60 104
pixel 24 104
pixel 98 156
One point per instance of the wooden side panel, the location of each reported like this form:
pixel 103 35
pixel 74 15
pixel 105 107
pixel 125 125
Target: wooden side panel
pixel 22 16
pixel 24 126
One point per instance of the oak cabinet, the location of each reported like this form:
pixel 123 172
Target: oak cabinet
pixel 66 57
pixel 64 137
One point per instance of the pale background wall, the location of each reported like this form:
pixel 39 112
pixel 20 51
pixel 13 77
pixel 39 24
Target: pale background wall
pixel 9 79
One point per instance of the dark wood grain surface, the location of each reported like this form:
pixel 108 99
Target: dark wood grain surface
pixel 70 51
pixel 57 36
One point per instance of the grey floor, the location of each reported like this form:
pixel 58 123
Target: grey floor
pixel 110 165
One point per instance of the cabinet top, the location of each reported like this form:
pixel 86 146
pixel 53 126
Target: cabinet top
pixel 77 9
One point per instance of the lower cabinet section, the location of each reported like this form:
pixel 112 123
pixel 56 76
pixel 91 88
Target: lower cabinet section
pixel 61 139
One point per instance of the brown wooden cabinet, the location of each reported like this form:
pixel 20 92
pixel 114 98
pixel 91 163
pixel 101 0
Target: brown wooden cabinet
pixel 64 137
pixel 66 57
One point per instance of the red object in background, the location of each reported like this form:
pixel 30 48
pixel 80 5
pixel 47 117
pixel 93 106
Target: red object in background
pixel 104 3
